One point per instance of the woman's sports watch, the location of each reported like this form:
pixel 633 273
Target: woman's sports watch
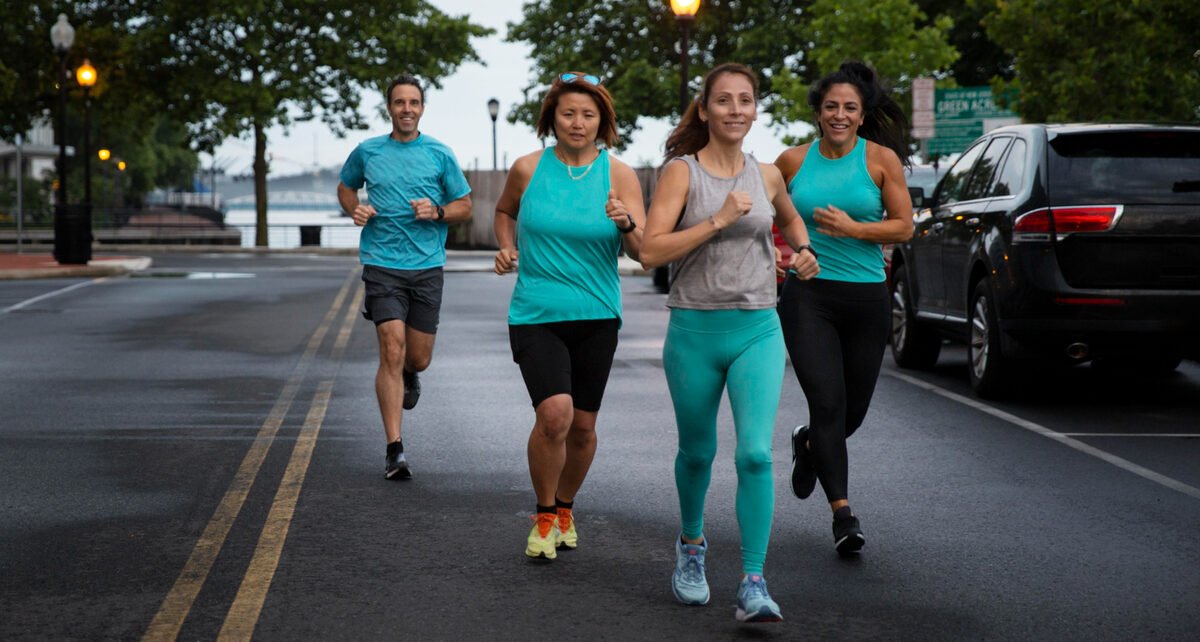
pixel 810 249
pixel 442 214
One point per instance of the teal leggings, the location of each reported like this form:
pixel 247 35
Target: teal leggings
pixel 707 351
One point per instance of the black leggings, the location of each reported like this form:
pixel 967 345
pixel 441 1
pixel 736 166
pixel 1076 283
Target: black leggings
pixel 835 332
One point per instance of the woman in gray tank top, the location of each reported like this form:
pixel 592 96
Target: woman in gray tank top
pixel 711 220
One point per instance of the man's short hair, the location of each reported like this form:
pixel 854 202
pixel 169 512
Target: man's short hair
pixel 403 79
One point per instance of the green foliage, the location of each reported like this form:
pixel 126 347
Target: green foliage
pixel 238 67
pixel 632 46
pixel 1101 60
pixel 35 202
pixel 980 59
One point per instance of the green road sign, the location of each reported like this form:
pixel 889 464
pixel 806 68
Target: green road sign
pixel 962 115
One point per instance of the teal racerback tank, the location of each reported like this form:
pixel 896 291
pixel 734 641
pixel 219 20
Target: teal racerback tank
pixel 846 184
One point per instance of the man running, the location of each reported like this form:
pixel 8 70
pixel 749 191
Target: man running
pixel 415 188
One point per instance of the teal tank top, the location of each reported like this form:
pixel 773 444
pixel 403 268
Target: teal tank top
pixel 846 184
pixel 568 247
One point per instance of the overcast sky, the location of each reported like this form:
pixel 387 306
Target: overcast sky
pixel 457 113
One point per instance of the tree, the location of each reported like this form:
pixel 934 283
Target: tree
pixel 980 58
pixel 127 115
pixel 1101 60
pixel 238 67
pixel 631 45
pixel 886 34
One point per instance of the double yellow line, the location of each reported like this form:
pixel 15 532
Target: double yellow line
pixel 243 614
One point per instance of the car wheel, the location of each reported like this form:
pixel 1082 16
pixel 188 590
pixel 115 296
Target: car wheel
pixel 914 344
pixel 986 362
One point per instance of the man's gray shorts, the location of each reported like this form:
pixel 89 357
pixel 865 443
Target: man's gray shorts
pixel 412 296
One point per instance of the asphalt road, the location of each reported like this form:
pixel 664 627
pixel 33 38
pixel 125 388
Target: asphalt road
pixel 196 452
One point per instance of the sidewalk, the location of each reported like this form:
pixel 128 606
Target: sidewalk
pixel 39 265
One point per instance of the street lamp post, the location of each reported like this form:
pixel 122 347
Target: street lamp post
pixel 494 111
pixel 685 13
pixel 85 75
pixel 62 36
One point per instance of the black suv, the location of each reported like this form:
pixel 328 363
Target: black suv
pixel 1073 241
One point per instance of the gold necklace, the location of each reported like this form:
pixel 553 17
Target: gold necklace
pixel 572 173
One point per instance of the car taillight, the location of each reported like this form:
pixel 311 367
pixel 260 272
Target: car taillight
pixel 1066 220
pixel 1083 219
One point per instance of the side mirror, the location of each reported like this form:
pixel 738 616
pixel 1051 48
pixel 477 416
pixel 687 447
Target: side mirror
pixel 918 197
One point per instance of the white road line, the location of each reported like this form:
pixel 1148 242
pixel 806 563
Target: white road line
pixel 43 297
pixel 1061 438
pixel 1181 435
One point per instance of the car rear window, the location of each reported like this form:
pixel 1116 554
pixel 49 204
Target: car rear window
pixel 1125 167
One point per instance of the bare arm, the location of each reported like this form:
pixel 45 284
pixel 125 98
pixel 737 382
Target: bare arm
pixel 625 208
pixel 455 211
pixel 348 199
pixel 662 244
pixel 790 225
pixel 505 222
pixel 897 225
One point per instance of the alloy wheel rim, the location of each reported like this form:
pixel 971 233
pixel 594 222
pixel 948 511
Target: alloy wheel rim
pixel 899 317
pixel 979 338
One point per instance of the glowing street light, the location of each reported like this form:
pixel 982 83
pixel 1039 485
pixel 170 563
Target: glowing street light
pixel 685 13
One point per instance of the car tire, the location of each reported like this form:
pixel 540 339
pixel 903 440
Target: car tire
pixel 987 364
pixel 915 345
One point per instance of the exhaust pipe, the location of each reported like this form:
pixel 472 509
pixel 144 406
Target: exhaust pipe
pixel 1077 351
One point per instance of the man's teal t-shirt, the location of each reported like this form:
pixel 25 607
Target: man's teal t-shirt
pixel 394 174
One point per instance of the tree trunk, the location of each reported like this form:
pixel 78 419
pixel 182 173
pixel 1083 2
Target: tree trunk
pixel 260 185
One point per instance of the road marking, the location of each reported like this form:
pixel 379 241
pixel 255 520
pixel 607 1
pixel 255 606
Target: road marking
pixel 43 297
pixel 178 603
pixel 1061 438
pixel 1131 434
pixel 247 606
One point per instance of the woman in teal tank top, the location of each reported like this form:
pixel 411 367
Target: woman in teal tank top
pixel 849 187
pixel 565 214
pixel 711 219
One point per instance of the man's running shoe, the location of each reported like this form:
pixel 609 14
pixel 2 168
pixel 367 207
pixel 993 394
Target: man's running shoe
pixel 412 390
pixel 397 465
pixel 542 540
pixel 848 537
pixel 804 471
pixel 754 604
pixel 688 582
pixel 564 530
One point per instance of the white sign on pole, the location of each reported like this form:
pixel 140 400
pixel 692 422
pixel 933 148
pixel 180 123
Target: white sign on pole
pixel 922 94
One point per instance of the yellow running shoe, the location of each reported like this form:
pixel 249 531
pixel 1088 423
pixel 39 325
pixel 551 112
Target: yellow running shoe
pixel 564 530
pixel 541 537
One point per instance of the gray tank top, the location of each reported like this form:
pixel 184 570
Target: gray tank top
pixel 736 268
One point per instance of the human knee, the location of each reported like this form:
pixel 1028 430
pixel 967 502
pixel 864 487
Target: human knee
pixel 391 353
pixel 417 362
pixel 754 461
pixel 696 458
pixel 554 416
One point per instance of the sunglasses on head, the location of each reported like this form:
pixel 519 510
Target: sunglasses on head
pixel 572 77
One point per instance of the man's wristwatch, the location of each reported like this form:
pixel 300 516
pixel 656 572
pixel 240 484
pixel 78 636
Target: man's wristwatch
pixel 442 213
pixel 810 251
pixel 632 225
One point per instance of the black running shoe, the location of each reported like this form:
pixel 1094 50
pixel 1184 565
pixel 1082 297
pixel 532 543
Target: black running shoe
pixel 848 537
pixel 412 390
pixel 804 472
pixel 397 464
